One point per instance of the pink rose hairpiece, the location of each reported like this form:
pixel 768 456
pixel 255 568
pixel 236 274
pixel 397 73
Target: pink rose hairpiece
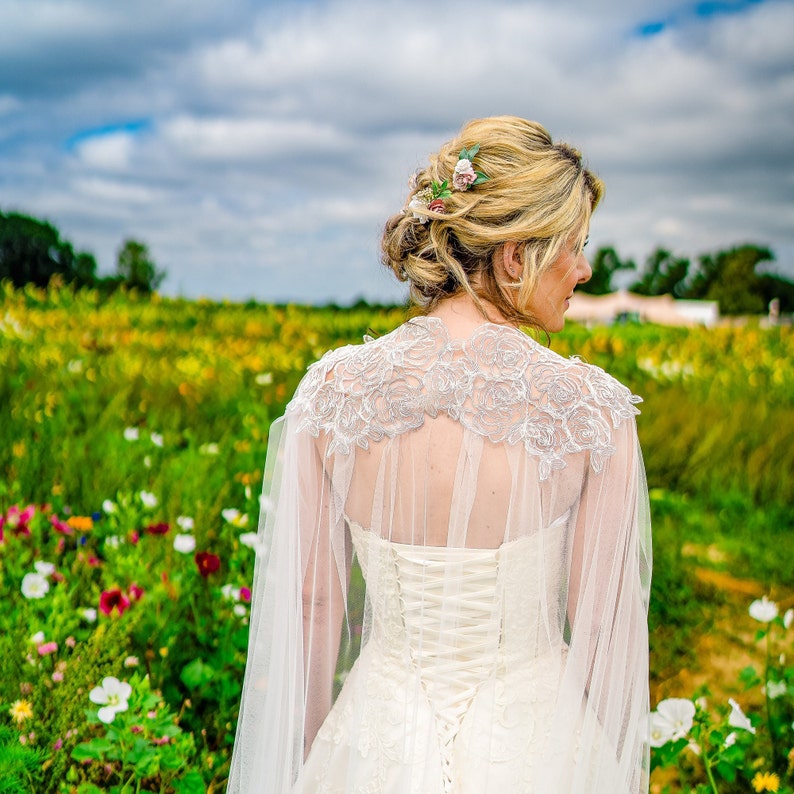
pixel 463 177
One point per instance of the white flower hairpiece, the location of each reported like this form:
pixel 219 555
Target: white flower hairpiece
pixel 463 177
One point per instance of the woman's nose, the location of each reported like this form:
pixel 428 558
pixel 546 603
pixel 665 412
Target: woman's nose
pixel 585 271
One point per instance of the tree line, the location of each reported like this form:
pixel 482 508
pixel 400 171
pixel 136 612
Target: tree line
pixel 32 251
pixel 729 277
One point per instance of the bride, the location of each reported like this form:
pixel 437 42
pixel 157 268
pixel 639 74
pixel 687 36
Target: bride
pixel 493 497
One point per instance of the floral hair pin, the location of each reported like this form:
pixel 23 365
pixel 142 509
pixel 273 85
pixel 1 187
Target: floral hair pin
pixel 464 177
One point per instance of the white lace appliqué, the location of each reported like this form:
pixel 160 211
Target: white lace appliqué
pixel 499 383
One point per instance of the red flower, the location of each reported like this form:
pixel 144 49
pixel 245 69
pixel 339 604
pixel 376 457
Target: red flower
pixel 157 529
pixel 134 537
pixel 113 599
pixel 135 591
pixel 207 563
pixel 436 205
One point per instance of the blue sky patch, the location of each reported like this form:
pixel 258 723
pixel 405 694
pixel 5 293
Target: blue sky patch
pixel 702 10
pixel 134 126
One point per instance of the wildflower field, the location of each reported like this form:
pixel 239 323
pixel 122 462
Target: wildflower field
pixel 132 441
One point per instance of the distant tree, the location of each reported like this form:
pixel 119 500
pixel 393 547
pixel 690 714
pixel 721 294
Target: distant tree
pixel 136 268
pixel 32 252
pixel 663 274
pixel 734 284
pixel 605 264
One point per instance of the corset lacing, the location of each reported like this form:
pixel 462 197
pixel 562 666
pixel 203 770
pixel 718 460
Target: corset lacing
pixel 447 599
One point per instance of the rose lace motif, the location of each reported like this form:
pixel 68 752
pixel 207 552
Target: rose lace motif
pixel 498 383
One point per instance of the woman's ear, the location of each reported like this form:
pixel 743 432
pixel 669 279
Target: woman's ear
pixel 509 261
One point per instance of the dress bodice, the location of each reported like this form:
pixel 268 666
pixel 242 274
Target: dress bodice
pixel 461 616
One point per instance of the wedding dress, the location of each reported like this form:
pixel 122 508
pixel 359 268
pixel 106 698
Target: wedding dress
pixel 492 495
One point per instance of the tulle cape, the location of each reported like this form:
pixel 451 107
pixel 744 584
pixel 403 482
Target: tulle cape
pixel 425 445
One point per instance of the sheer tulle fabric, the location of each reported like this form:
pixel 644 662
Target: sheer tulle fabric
pixel 478 510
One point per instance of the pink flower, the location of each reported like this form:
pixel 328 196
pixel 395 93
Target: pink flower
pixel 70 642
pixel 57 676
pixel 113 599
pixel 436 205
pixel 17 520
pixel 58 744
pixel 136 729
pixel 47 648
pixel 60 526
pixel 464 175
pixel 134 537
pixel 135 591
pixel 245 594
pixel 161 740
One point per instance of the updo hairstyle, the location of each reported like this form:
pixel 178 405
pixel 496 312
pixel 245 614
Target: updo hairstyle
pixel 538 194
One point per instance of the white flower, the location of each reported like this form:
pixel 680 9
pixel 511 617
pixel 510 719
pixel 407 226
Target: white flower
pixel 229 591
pixel 131 433
pixel 250 539
pixel 763 610
pixel 131 661
pixel 44 568
pixel 112 541
pixel 184 544
pixel 417 203
pixel 89 614
pixel 235 517
pixel 75 366
pixel 788 618
pixel 34 585
pixel 730 739
pixel 240 610
pixel 737 718
pixel 109 507
pixel 185 522
pixel 149 499
pixel 112 696
pixel 775 689
pixel 209 449
pixel 265 379
pixel 672 720
pixel 37 638
pixel 157 439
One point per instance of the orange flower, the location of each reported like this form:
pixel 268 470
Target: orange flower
pixel 81 523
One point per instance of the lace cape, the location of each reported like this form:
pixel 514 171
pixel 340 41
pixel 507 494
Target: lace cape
pixel 499 383
pixel 432 449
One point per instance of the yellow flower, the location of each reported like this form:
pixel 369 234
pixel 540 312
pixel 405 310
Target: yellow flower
pixel 20 711
pixel 766 781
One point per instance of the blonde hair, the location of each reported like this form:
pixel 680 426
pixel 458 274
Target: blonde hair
pixel 538 194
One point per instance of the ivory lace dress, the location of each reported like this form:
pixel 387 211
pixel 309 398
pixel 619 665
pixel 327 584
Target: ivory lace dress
pixel 493 495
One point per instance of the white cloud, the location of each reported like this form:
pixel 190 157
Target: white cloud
pixel 278 141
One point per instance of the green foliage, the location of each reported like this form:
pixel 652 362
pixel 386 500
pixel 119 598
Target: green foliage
pixel 136 268
pixel 32 251
pixel 664 274
pixel 605 264
pixel 728 277
pixel 20 764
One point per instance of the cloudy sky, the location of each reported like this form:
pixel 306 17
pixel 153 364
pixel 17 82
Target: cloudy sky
pixel 258 147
